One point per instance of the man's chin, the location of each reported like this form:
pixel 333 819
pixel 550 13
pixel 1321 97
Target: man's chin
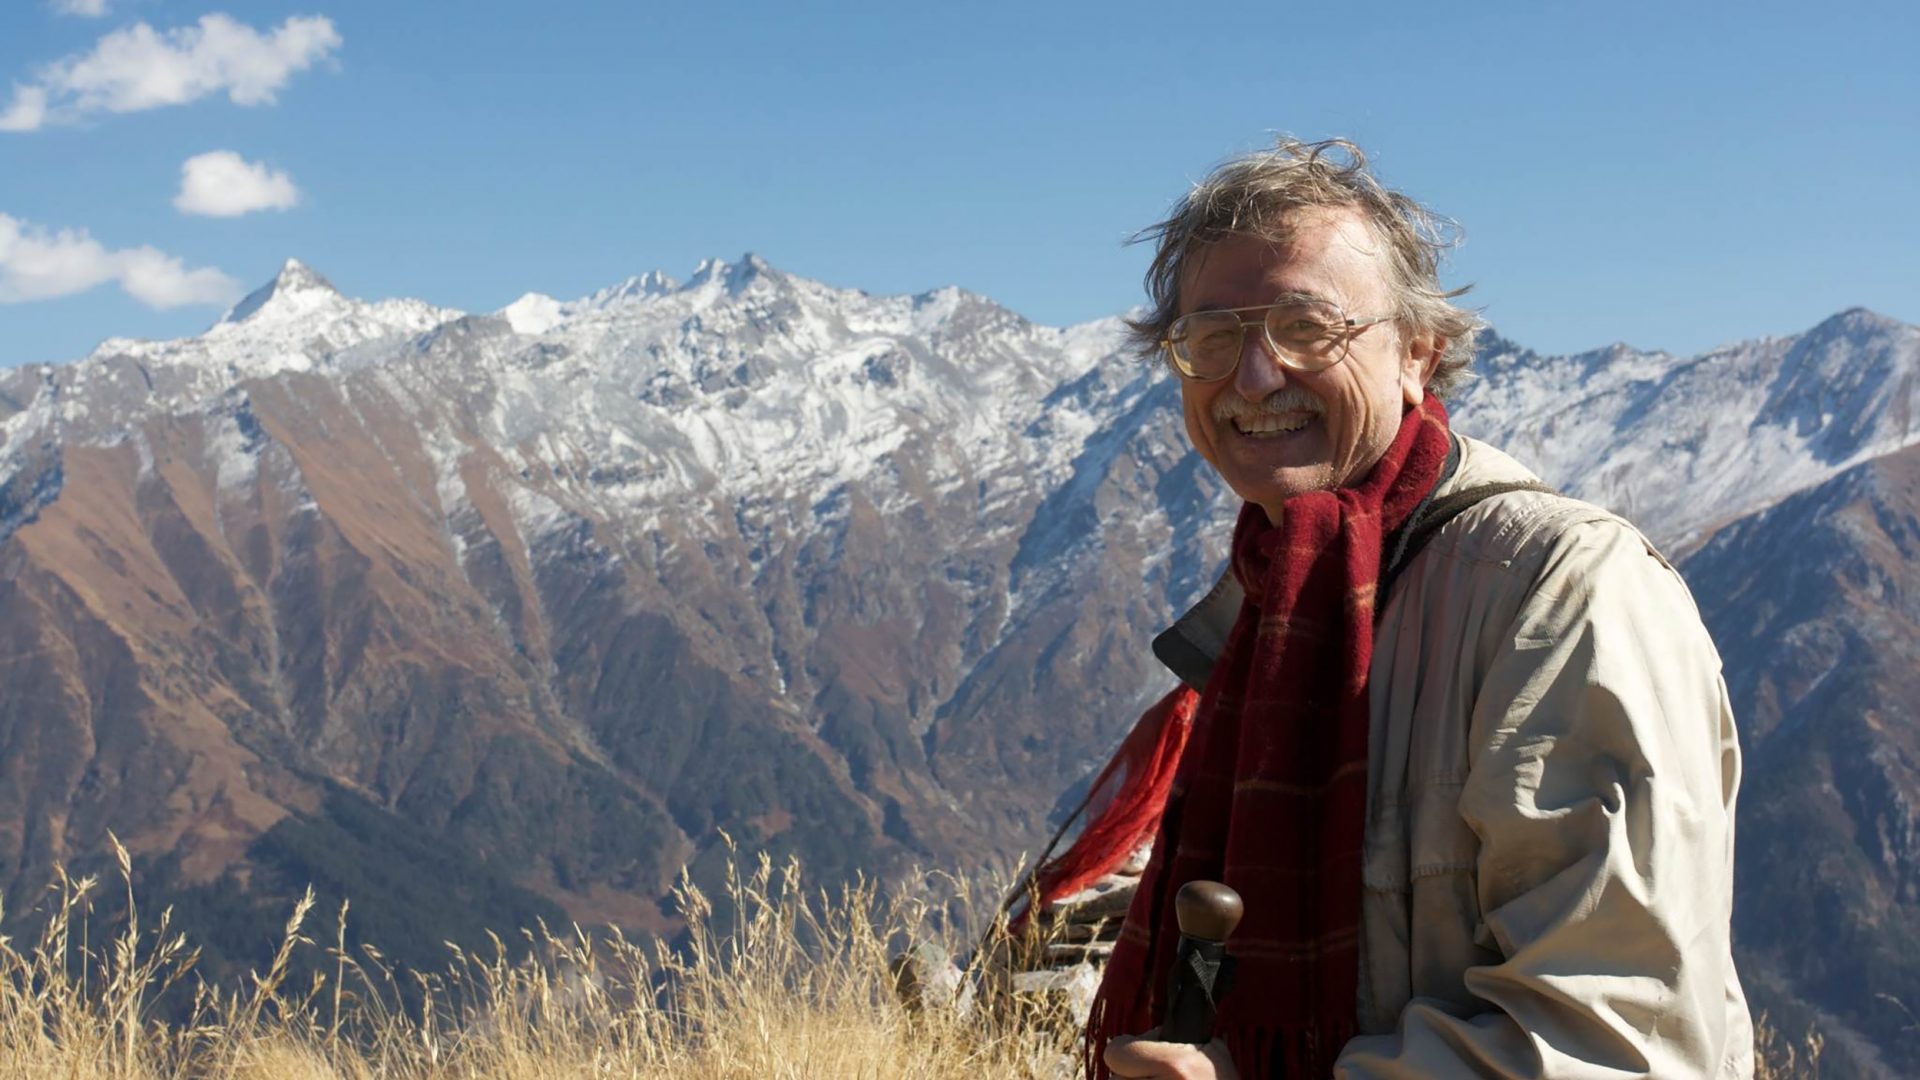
pixel 1272 487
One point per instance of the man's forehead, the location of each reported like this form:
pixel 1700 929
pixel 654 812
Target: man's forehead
pixel 1325 252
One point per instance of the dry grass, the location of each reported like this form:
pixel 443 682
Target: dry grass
pixel 799 986
pixel 1777 1057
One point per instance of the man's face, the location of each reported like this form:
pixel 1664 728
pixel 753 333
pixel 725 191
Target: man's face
pixel 1271 432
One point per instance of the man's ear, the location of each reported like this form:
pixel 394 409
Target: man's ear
pixel 1422 360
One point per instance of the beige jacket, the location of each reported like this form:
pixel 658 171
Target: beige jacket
pixel 1551 777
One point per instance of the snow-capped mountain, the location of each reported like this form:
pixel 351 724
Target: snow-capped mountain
pixel 297 322
pixel 748 379
pixel 561 591
pixel 1683 445
pixel 747 551
pixel 536 313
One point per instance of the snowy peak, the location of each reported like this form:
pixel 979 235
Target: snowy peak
pixel 297 276
pixel 650 284
pixel 1859 316
pixel 537 313
pixel 1858 325
pixel 732 277
pixel 1682 445
pixel 743 366
pixel 296 322
pixel 296 290
pixel 1847 386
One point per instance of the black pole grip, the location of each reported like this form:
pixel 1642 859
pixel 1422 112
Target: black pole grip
pixel 1202 971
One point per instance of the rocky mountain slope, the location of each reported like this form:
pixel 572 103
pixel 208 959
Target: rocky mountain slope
pixel 1815 604
pixel 858 578
pixel 477 618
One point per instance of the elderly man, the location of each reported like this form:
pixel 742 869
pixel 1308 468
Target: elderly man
pixel 1461 743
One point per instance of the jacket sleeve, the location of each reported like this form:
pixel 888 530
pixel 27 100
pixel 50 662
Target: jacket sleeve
pixel 1602 772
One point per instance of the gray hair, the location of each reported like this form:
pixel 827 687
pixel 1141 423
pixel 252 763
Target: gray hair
pixel 1252 195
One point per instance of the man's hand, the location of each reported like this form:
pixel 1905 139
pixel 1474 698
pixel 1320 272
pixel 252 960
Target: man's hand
pixel 1140 1057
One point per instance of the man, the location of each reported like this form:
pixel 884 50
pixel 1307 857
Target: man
pixel 1475 783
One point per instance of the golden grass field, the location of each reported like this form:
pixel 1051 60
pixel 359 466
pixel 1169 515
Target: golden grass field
pixel 799 986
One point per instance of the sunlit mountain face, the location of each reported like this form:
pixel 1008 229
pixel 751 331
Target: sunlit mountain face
pixel 480 618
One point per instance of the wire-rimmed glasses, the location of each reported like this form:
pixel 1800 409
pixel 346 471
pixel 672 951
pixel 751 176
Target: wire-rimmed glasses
pixel 1302 333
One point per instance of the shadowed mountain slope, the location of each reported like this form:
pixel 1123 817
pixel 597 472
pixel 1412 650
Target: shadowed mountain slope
pixel 1815 605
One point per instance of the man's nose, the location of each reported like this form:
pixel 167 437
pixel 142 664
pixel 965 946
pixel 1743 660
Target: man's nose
pixel 1259 373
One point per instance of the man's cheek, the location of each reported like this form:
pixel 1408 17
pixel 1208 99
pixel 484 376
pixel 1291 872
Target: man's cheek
pixel 1199 431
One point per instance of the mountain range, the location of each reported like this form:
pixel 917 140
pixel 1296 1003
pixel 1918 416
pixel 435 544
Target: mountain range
pixel 477 618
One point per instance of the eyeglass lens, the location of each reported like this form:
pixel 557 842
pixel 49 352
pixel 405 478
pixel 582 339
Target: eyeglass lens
pixel 1207 344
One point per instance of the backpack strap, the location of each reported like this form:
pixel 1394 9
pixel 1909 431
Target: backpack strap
pixel 1428 519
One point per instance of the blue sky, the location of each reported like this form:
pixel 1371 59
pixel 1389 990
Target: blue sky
pixel 1669 175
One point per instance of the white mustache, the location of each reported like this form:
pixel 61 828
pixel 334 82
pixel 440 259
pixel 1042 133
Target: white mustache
pixel 1229 407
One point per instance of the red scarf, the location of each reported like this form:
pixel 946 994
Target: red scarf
pixel 1271 792
pixel 1123 806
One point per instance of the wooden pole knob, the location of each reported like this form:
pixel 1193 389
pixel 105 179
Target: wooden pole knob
pixel 1207 910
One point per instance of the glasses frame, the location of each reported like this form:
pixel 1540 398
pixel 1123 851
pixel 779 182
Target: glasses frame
pixel 1347 328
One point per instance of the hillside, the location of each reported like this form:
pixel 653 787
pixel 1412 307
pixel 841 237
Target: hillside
pixel 858 578
pixel 478 619
pixel 1815 604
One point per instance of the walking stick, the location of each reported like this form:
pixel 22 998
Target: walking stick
pixel 1202 971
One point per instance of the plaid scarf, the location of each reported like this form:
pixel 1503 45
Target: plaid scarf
pixel 1271 791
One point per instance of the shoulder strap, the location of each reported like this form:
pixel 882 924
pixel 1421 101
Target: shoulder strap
pixel 1429 519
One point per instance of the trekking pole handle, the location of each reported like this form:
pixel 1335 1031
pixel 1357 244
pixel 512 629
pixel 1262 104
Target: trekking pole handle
pixel 1202 971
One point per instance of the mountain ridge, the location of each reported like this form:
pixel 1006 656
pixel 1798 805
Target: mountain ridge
pixel 1815 605
pixel 863 579
pixel 439 479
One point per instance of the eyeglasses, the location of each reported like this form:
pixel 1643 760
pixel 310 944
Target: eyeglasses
pixel 1302 335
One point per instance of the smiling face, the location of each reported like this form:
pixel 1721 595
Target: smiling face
pixel 1273 433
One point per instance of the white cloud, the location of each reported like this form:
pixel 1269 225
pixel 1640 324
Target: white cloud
pixel 221 183
pixel 28 110
pixel 138 68
pixel 86 9
pixel 37 263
